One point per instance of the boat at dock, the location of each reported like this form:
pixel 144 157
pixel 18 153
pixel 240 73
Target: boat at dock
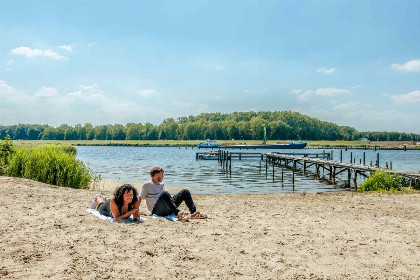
pixel 290 145
pixel 209 144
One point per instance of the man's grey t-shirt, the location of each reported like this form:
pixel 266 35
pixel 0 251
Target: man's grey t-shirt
pixel 150 192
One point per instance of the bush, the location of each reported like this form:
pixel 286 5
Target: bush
pixel 6 151
pixel 55 165
pixel 381 180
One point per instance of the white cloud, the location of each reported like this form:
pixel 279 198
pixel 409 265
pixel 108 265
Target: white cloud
pixel 331 91
pixel 409 66
pixel 30 53
pixel 347 106
pixel 87 104
pixel 66 47
pixel 148 92
pixel 326 70
pixel 303 95
pixel 46 92
pixel 413 96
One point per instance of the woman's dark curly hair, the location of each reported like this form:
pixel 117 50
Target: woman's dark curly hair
pixel 119 195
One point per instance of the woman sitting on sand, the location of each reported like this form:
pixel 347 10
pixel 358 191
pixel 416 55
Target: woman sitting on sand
pixel 124 204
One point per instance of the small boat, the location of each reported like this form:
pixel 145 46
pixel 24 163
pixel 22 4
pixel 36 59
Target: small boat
pixel 209 156
pixel 208 144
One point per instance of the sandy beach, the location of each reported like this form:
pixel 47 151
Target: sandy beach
pixel 46 233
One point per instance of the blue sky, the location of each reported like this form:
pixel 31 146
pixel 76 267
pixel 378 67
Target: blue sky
pixel 354 63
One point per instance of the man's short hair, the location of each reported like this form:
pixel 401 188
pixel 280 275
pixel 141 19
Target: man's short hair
pixel 155 170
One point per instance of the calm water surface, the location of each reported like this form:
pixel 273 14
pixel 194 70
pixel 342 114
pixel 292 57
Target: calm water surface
pixel 132 165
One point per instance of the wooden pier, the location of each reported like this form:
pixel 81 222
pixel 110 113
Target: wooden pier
pixel 334 168
pixel 311 163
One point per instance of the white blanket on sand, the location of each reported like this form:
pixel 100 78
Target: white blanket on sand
pixel 110 219
pixel 172 217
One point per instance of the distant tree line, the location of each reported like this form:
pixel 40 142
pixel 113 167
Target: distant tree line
pixel 238 126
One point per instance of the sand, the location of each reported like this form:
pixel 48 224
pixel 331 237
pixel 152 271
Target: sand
pixel 46 233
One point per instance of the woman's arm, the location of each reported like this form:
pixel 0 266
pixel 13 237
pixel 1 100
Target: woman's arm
pixel 136 215
pixel 116 212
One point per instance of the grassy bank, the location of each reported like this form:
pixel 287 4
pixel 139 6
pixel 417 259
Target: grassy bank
pixel 51 164
pixel 193 143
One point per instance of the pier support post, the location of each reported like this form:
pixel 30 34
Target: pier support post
pixel 266 167
pixel 349 176
pixel 377 159
pixel 304 167
pixel 227 162
pixel 364 158
pixel 273 170
pixel 330 169
pixel 351 157
pixel 390 165
pixel 230 164
pixel 341 155
pixel 293 177
pixel 355 180
pixel 282 171
pixel 331 155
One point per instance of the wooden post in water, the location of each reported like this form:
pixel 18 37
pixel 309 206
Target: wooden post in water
pixel 331 155
pixel 346 148
pixel 230 164
pixel 266 167
pixel 304 167
pixel 351 157
pixel 333 175
pixel 282 171
pixel 341 155
pixel 273 170
pixel 261 161
pixel 390 165
pixel 377 159
pixel 349 176
pixel 330 172
pixel 227 161
pixel 293 177
pixel 240 156
pixel 364 158
pixel 355 179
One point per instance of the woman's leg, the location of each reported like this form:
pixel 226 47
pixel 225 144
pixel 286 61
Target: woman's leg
pixel 185 195
pixel 165 205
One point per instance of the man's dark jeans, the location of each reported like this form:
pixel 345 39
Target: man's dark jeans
pixel 167 205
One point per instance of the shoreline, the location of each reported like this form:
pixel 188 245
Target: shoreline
pixel 372 145
pixel 343 235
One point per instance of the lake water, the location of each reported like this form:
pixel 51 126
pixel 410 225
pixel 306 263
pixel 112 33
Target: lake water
pixel 132 165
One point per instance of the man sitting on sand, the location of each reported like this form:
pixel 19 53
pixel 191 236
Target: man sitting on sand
pixel 161 203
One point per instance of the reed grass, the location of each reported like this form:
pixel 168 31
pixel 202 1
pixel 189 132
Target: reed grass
pixel 55 165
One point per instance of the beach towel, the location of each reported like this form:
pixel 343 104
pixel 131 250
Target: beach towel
pixel 110 219
pixel 172 217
